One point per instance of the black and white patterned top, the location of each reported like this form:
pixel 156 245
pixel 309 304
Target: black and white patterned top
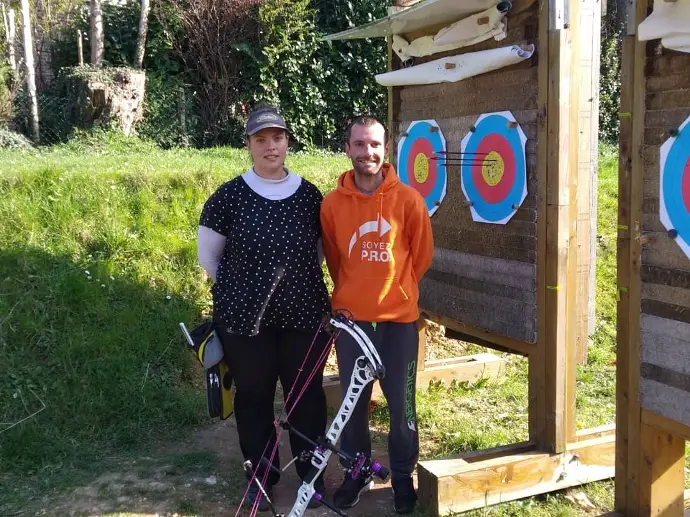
pixel 269 273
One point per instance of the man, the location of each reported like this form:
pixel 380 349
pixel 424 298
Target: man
pixel 378 244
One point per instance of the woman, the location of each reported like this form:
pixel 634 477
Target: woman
pixel 258 238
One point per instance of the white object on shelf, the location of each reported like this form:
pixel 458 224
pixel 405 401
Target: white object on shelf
pixel 456 68
pixel 669 22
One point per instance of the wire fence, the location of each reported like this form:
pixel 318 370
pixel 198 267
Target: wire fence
pixel 181 117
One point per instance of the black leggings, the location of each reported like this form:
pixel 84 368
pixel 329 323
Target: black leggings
pixel 256 364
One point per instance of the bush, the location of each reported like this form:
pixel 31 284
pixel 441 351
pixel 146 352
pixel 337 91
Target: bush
pixel 11 140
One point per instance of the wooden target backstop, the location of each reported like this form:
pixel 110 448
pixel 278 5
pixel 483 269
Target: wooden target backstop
pixel 526 285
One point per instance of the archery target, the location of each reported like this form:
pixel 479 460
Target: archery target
pixel 417 166
pixel 674 208
pixel 493 173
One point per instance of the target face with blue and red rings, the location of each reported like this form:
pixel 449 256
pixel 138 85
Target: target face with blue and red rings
pixel 493 172
pixel 674 207
pixel 417 163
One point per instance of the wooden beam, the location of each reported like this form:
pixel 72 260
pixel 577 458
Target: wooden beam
pixel 389 118
pixel 665 424
pixel 461 369
pixel 458 485
pixel 482 337
pixel 595 432
pixel 662 473
pixel 624 279
pixel 536 374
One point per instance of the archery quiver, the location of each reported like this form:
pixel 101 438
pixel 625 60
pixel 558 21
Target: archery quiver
pixel 208 349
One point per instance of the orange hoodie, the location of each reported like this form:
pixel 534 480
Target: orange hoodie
pixel 377 247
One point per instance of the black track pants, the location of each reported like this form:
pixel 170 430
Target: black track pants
pixel 256 364
pixel 397 345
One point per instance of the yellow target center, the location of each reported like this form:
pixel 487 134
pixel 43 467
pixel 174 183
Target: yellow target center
pixel 493 168
pixel 421 168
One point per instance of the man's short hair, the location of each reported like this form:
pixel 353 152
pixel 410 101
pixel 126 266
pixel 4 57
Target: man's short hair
pixel 368 121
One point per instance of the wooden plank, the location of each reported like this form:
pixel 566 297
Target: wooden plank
pixel 456 486
pixel 666 424
pixel 662 479
pixel 537 372
pixel 623 271
pixel 589 46
pixel 389 92
pixel 486 336
pixel 595 432
pixel 459 369
pixel 632 318
pixel 573 347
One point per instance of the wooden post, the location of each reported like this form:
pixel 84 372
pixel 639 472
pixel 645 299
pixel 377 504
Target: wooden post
pixel 30 69
pixel 589 44
pixel 80 48
pixel 141 39
pixel 662 475
pixel 552 369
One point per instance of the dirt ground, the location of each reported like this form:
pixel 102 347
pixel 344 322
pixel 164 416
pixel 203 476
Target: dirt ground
pixel 149 485
pixel 202 474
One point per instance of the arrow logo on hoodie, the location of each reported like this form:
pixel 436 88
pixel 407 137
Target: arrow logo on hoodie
pixel 370 227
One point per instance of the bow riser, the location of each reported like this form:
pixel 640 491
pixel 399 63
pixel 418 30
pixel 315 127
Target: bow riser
pixel 361 376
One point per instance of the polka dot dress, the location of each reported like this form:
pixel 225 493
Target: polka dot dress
pixel 269 273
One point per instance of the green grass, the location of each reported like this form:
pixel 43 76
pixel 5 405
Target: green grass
pixel 97 267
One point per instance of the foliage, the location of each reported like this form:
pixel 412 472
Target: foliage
pixel 352 89
pixel 610 71
pixel 609 90
pixel 5 91
pixel 290 74
pixel 210 42
pixel 12 140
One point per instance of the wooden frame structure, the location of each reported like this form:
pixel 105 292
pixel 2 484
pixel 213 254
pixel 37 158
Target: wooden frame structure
pixel 559 112
pixel 654 286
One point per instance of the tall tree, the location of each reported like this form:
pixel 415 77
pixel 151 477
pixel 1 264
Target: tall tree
pixel 30 68
pixel 143 29
pixel 10 34
pixel 97 37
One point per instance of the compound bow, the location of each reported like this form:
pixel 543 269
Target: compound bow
pixel 368 367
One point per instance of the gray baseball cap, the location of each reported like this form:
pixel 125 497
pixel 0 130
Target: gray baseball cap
pixel 263 118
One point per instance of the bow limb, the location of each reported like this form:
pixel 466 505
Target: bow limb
pixel 368 367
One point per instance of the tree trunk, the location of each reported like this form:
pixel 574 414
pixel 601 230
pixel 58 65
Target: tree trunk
pixel 10 34
pixel 30 70
pixel 143 30
pixel 97 45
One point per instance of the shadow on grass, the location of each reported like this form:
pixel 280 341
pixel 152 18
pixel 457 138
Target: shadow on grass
pixel 90 365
